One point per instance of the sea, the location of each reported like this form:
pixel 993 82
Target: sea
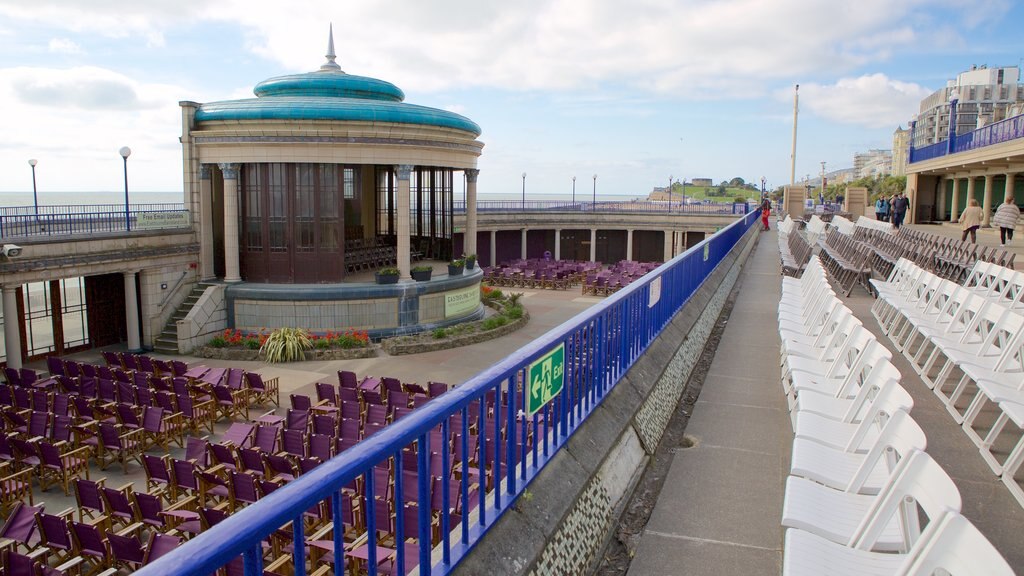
pixel 10 199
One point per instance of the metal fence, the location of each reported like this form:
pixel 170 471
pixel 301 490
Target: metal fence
pixel 440 521
pixel 641 206
pixel 67 220
pixel 995 133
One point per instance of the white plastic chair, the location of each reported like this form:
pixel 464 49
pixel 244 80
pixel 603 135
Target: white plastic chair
pixel 853 437
pixel 955 546
pixel 843 408
pixel 950 544
pixel 887 521
pixel 859 473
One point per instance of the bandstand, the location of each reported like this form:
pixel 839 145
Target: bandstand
pixel 319 178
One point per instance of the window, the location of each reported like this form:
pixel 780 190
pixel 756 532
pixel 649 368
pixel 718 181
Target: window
pixel 304 213
pixel 277 211
pixel 38 318
pixel 73 317
pixel 253 209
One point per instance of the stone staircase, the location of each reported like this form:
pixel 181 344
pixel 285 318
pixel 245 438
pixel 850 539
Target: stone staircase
pixel 167 341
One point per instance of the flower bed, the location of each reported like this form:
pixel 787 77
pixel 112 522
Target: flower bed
pixel 238 345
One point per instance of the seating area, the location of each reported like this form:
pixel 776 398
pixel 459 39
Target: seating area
pixel 595 278
pixel 966 341
pixel 84 416
pixel 794 249
pixel 368 254
pixel 863 495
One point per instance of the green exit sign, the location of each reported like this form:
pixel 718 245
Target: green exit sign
pixel 545 377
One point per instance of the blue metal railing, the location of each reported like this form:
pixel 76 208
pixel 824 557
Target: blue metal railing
pixel 600 345
pixel 640 206
pixel 66 220
pixel 995 133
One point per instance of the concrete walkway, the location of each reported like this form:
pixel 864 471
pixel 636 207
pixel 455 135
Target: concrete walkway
pixel 719 509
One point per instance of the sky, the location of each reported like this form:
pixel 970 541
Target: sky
pixel 633 92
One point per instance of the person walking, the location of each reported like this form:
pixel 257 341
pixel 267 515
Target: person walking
pixel 1006 218
pixel 882 209
pixel 899 210
pixel 766 211
pixel 970 221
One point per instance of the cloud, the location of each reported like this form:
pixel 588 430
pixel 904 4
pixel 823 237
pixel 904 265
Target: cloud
pixel 64 46
pixel 873 100
pixel 702 49
pixel 74 121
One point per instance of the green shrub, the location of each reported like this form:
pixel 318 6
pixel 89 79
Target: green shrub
pixel 286 345
pixel 514 312
pixel 439 333
pixel 513 298
pixel 349 341
pixel 218 342
pixel 251 343
pixel 322 343
pixel 494 322
pixel 496 294
pixel 422 268
pixel 389 271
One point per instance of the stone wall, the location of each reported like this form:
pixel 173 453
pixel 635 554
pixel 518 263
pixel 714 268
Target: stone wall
pixel 564 524
pixel 207 318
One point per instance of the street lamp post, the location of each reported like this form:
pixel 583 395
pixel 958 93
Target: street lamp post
pixel 593 206
pixel 573 191
pixel 35 196
pixel 125 153
pixel 524 190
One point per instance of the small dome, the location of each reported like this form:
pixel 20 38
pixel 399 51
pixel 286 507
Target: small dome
pixel 329 84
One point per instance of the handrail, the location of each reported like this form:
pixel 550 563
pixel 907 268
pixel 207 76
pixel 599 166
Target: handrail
pixel 600 344
pixel 1005 130
pixel 170 292
pixel 23 222
pixel 621 207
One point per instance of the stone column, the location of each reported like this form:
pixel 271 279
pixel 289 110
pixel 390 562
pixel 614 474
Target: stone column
pixel 402 218
pixel 522 244
pixel 231 269
pixel 469 243
pixel 593 244
pixel 940 202
pixel 558 243
pixel 986 202
pixel 668 245
pixel 205 223
pixel 494 247
pixel 954 210
pixel 629 243
pixel 131 309
pixel 12 325
pixel 1010 185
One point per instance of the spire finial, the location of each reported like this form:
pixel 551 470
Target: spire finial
pixel 330 65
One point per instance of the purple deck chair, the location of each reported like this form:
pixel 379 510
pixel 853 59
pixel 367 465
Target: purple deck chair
pixel 59 468
pixel 294 442
pixel 111 358
pixel 130 361
pixel 120 447
pixel 90 543
pixel 26 452
pixel 159 545
pixel 13 376
pixel 89 497
pixel 263 391
pixel 41 400
pixel 158 474
pixel 347 379
pixel 197 450
pixel 56 536
pixel 22 398
pixel 184 476
pixel 325 392
pixel 321 446
pixel 244 489
pixel 126 551
pixel 297 420
pixel 127 416
pixel 61 404
pixel 224 455
pixel 251 461
pixel 15 564
pixel 119 506
pixel 178 368
pixel 230 403
pixel 106 390
pixel 240 434
pixel 325 424
pixel 21 524
pixel 163 367
pixel 267 438
pixel 280 467
pixel 55 366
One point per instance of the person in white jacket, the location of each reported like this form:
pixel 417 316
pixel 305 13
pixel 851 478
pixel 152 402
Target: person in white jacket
pixel 1006 218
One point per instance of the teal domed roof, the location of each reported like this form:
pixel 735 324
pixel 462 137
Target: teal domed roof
pixel 331 94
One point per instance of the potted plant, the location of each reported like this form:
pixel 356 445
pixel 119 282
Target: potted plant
pixel 455 267
pixel 422 272
pixel 470 261
pixel 387 275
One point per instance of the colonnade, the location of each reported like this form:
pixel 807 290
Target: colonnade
pixel 970 190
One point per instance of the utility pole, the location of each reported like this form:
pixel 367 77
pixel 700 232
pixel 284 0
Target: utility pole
pixel 823 179
pixel 792 155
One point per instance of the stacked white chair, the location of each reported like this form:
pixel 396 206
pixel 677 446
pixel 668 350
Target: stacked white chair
pixel 860 482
